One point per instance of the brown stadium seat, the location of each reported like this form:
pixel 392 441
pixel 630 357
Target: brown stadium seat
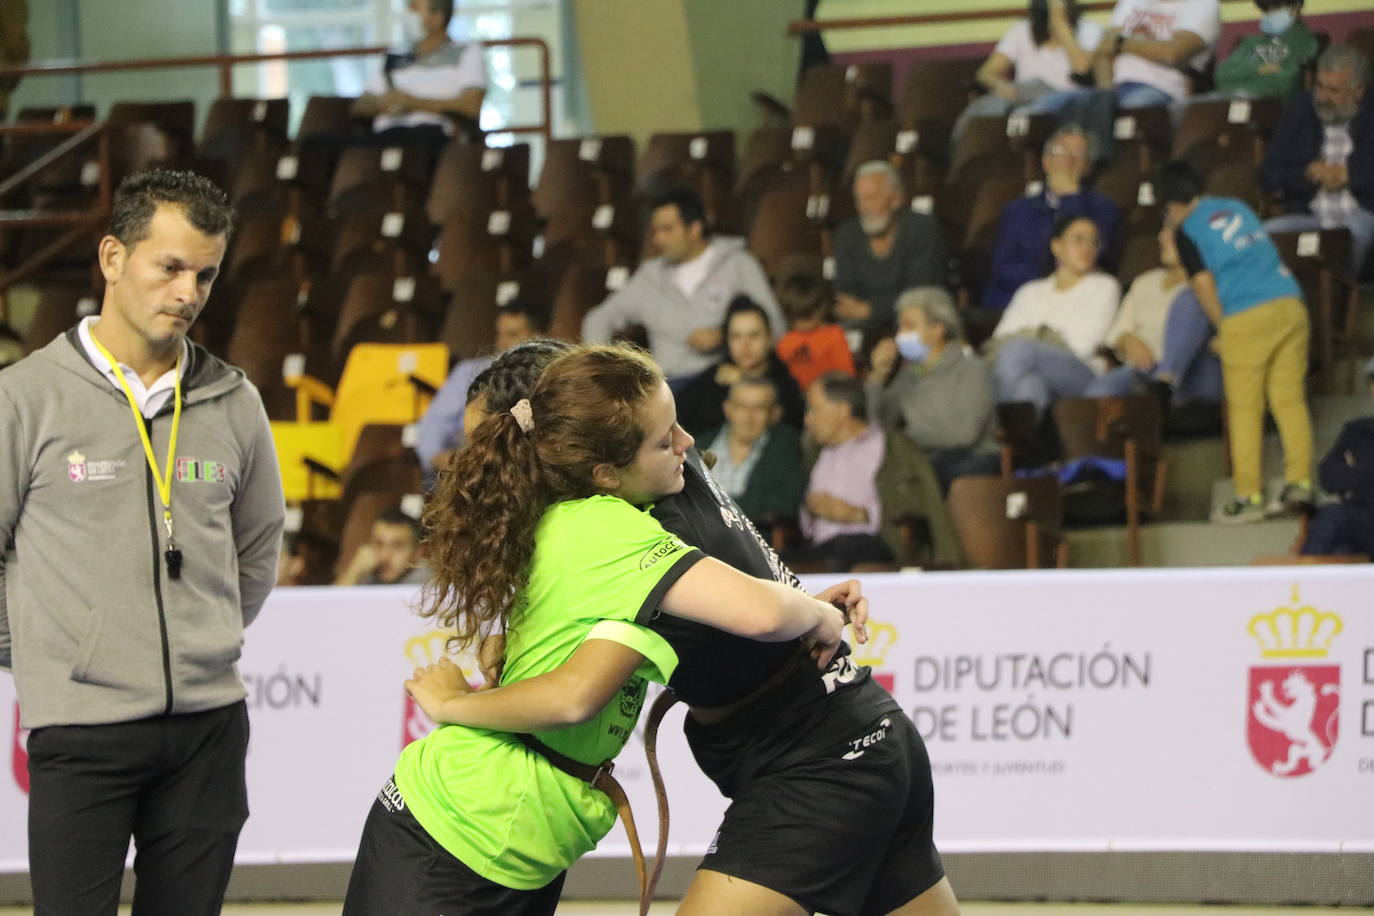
pixel 1217 132
pixel 59 307
pixel 701 160
pixel 580 176
pixel 472 181
pixel 382 307
pixel 934 94
pixel 1129 428
pixel 1009 523
pixel 781 225
pixel 1320 261
pixel 468 328
pixel 235 127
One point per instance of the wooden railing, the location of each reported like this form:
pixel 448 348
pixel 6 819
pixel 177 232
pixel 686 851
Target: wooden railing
pixel 225 63
pixel 803 26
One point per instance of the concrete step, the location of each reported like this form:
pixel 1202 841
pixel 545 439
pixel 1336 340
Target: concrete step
pixel 1183 544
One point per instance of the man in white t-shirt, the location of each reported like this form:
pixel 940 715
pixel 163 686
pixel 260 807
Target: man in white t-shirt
pixel 1144 59
pixel 425 94
pixel 680 296
pixel 1151 45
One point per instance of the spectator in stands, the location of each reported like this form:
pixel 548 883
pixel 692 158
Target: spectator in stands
pixel 1347 471
pixel 863 483
pixel 1321 158
pixel 942 397
pixel 1161 334
pixel 1263 330
pixel 14 45
pixel 422 95
pixel 1272 62
pixel 884 249
pixel 391 555
pixel 1148 56
pixel 1045 346
pixel 11 346
pixel 748 354
pixel 680 296
pixel 1039 64
pixel 758 457
pixel 1023 238
pixel 813 344
pixel 1154 48
pixel 441 428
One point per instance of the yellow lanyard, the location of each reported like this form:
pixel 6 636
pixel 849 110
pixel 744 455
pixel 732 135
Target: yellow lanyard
pixel 163 481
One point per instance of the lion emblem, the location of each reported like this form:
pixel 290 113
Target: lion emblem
pixel 1296 721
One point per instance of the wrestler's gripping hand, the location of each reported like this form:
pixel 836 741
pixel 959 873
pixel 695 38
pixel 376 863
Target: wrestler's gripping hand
pixel 848 597
pixel 434 684
pixel 827 634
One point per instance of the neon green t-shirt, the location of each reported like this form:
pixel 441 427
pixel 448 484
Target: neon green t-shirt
pixel 499 807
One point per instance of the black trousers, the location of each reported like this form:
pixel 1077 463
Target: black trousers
pixel 401 871
pixel 173 783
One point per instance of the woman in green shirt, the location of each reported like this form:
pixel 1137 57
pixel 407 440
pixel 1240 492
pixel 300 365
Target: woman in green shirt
pixel 536 531
pixel 831 797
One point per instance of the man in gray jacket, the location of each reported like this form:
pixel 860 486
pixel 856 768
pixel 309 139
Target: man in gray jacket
pixel 140 518
pixel 680 296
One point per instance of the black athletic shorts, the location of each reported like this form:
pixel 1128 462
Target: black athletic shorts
pixel 843 830
pixel 401 871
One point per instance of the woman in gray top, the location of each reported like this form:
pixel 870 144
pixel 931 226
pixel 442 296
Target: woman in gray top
pixel 941 396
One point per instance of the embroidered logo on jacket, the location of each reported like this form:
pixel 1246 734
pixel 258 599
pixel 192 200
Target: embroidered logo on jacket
pixel 194 469
pixel 79 469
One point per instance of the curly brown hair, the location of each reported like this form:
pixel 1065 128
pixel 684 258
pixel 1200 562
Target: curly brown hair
pixel 481 522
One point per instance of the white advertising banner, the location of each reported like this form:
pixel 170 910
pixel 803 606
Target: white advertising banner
pixel 1209 709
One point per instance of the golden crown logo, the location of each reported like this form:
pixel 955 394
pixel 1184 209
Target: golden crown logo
pixel 1295 631
pixel 76 458
pixel 427 648
pixel 881 638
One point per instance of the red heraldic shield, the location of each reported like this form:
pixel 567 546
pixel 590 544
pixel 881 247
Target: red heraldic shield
pixel 1293 715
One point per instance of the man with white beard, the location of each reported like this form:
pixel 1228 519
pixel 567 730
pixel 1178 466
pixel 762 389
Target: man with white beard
pixel 883 251
pixel 1321 159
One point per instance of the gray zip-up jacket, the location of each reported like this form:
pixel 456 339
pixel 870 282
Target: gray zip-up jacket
pixel 652 299
pixel 92 627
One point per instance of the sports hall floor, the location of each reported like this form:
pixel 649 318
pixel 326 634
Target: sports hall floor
pixel 665 908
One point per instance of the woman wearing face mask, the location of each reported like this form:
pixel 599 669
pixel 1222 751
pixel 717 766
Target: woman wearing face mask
pixel 749 354
pixel 942 396
pixel 1272 62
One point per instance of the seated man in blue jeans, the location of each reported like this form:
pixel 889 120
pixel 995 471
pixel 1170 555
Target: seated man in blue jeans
pixel 1146 58
pixel 1161 334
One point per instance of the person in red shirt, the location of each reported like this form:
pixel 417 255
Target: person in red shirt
pixel 814 344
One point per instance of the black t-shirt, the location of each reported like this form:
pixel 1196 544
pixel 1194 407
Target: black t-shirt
pixel 715 668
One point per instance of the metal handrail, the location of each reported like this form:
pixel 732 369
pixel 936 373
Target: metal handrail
pixel 226 62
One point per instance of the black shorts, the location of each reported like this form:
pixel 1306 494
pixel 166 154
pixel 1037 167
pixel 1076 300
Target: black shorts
pixel 401 871
pixel 844 829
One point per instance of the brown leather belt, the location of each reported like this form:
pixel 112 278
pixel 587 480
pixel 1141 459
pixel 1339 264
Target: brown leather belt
pixel 599 777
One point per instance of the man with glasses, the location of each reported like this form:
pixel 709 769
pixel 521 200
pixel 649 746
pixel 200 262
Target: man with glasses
pixel 1321 160
pixel 1023 239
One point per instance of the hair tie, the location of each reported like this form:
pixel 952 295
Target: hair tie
pixel 523 414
